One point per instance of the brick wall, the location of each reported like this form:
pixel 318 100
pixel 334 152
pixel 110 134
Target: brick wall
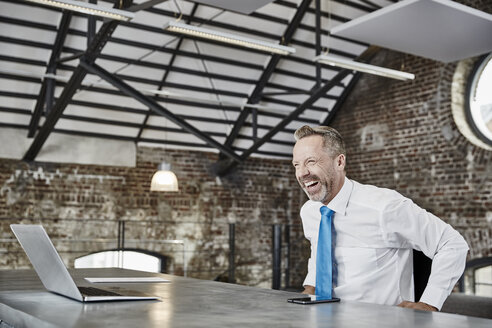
pixel 80 206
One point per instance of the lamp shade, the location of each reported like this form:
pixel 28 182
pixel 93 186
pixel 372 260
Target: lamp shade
pixel 164 179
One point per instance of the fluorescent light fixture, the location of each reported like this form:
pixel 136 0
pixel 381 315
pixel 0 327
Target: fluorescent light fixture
pixel 205 33
pixel 164 179
pixel 361 67
pixel 88 8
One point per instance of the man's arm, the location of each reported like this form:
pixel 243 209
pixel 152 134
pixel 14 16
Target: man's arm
pixel 408 225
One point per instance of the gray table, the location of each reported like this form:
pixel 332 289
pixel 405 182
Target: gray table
pixel 190 302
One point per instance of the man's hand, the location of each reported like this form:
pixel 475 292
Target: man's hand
pixel 309 290
pixel 417 306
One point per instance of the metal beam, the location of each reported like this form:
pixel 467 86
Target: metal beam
pixel 159 66
pixel 91 26
pixel 366 55
pixel 38 111
pixel 166 74
pixel 47 88
pixel 312 11
pixel 317 43
pixel 343 97
pixel 359 6
pixel 267 73
pixel 168 13
pixel 194 88
pixel 153 47
pixel 293 115
pixel 223 167
pixel 166 100
pixel 231 27
pixel 177 69
pixel 154 106
pixel 145 5
pixel 73 84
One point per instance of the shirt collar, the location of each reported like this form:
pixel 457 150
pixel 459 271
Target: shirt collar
pixel 339 203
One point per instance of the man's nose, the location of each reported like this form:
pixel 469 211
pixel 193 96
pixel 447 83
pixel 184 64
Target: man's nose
pixel 302 171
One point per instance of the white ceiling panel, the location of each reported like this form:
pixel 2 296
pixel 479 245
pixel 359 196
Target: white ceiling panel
pixel 438 29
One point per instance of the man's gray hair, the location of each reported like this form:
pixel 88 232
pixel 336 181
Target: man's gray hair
pixel 332 140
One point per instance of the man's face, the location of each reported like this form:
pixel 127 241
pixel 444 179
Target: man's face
pixel 319 174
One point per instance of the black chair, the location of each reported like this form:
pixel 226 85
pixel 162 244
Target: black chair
pixel 421 272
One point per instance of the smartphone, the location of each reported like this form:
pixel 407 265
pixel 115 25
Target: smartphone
pixel 313 299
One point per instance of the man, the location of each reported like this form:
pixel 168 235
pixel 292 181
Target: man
pixel 373 231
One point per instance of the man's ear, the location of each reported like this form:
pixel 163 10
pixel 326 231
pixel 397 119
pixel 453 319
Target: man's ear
pixel 341 161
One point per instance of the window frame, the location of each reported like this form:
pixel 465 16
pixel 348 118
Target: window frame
pixel 471 85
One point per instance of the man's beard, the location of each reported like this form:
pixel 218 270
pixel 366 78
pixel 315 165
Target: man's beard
pixel 323 194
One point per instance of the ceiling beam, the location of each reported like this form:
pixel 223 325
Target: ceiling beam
pixel 122 109
pixel 267 73
pixel 166 73
pixel 184 102
pixel 343 97
pixel 269 18
pixel 365 56
pixel 159 66
pixel 73 84
pixel 317 43
pixel 145 5
pixel 155 107
pixel 91 26
pixel 134 125
pixel 240 29
pixel 153 47
pixel 46 92
pixel 223 167
pixel 359 6
pixel 264 98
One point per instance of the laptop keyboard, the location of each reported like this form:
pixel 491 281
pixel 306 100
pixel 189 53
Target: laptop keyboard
pixel 91 291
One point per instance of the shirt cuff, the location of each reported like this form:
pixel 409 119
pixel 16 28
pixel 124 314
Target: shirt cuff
pixel 434 296
pixel 310 280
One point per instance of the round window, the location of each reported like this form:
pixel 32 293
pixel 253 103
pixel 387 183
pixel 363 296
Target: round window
pixel 478 105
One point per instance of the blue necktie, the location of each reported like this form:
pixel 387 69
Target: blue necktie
pixel 323 257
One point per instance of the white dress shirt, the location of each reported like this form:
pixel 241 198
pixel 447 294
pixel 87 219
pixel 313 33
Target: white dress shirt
pixel 375 230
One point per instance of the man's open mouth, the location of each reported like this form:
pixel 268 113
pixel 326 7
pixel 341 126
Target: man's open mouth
pixel 311 184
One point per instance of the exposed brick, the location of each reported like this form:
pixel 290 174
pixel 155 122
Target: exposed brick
pixel 80 206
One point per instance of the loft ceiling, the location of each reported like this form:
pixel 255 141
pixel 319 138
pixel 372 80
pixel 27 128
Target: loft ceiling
pixel 63 72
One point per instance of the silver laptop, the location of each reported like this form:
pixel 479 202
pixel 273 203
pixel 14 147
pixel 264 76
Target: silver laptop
pixel 53 273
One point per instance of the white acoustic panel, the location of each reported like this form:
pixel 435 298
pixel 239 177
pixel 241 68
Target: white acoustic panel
pixel 437 29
